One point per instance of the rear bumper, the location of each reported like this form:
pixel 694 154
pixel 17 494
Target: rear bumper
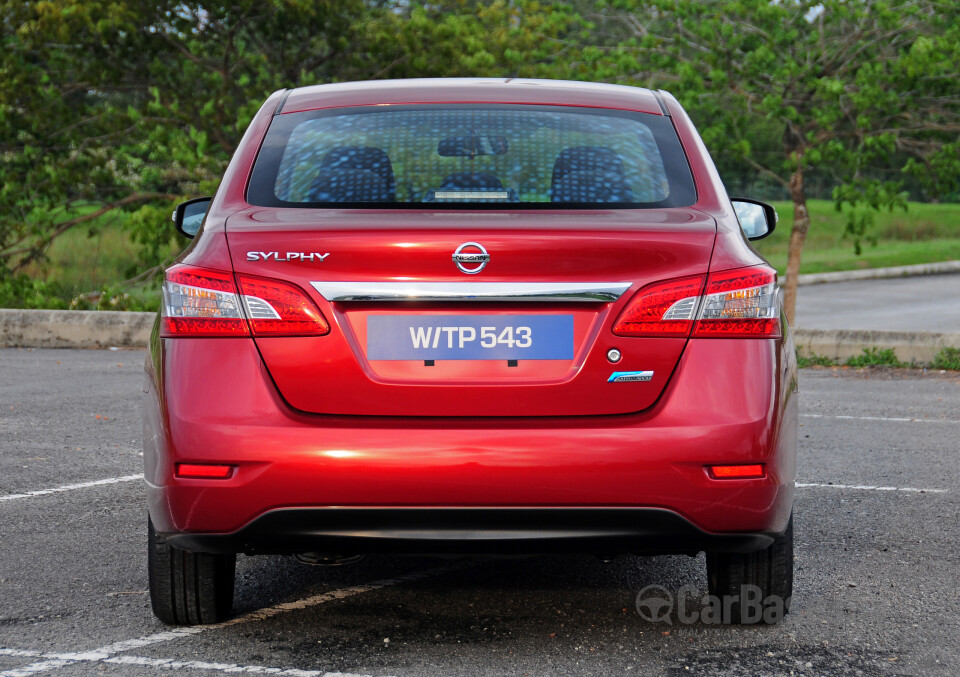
pixel 629 483
pixel 455 531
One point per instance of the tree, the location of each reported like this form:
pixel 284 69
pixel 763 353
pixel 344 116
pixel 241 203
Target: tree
pixel 135 104
pixel 845 84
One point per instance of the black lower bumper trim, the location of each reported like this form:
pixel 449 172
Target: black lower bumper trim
pixel 457 531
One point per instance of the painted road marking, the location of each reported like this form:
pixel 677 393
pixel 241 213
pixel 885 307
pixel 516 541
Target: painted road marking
pixel 59 660
pixel 52 661
pixel 880 418
pixel 175 664
pixel 869 487
pixel 72 487
pixel 170 664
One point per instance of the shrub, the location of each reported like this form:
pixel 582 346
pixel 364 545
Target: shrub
pixel 814 360
pixel 947 358
pixel 875 357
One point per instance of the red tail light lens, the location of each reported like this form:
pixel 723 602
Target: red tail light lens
pixel 277 308
pixel 737 472
pixel 661 309
pixel 204 471
pixel 740 303
pixel 201 302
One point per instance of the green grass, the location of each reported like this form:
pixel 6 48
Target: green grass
pixel 875 357
pixel 814 360
pixel 947 358
pixel 925 233
pixel 87 260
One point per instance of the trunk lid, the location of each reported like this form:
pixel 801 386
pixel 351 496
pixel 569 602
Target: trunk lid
pixel 413 335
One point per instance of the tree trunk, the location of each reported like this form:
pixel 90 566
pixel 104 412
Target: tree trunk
pixel 801 223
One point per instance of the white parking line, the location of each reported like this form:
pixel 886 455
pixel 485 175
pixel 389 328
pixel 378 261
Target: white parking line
pixel 902 419
pixel 59 660
pixel 52 661
pixel 72 487
pixel 169 664
pixel 869 487
pixel 333 595
pixel 174 664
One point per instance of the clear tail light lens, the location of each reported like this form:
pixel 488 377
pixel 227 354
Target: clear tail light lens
pixel 661 309
pixel 740 303
pixel 734 304
pixel 277 308
pixel 201 302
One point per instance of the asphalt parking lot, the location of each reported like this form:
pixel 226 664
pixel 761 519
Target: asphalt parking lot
pixel 877 578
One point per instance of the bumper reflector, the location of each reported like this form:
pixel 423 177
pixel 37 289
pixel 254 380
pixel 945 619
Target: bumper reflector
pixel 736 472
pixel 204 472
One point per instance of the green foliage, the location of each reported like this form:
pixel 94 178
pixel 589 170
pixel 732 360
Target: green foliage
pixel 875 357
pixel 134 105
pixel 865 199
pixel 130 106
pixel 925 233
pixel 23 291
pixel 113 298
pixel 861 90
pixel 814 360
pixel 948 358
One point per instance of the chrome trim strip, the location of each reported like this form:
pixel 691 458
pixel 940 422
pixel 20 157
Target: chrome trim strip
pixel 551 292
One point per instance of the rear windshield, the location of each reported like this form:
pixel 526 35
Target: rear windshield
pixel 471 155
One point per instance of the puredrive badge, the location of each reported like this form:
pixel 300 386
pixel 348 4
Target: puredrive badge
pixel 471 258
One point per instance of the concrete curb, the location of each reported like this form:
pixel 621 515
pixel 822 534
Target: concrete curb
pixel 103 329
pixel 918 347
pixel 74 328
pixel 880 273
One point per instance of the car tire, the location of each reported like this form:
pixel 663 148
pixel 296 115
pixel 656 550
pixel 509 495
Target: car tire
pixel 188 588
pixel 754 587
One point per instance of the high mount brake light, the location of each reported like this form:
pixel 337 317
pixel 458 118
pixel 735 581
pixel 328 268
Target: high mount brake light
pixel 201 302
pixel 735 304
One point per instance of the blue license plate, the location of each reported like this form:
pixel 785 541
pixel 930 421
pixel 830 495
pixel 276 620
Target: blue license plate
pixel 470 337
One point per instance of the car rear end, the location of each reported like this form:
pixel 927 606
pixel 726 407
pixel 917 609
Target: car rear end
pixel 480 318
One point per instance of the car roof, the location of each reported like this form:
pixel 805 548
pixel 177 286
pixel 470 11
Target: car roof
pixel 471 90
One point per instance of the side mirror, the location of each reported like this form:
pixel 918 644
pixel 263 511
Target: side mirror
pixel 189 215
pixel 757 219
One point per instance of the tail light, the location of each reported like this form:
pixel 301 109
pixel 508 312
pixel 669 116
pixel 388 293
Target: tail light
pixel 277 308
pixel 661 309
pixel 734 304
pixel 740 303
pixel 202 302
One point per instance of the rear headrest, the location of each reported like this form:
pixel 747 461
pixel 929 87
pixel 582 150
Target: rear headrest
pixel 368 158
pixel 589 174
pixel 349 185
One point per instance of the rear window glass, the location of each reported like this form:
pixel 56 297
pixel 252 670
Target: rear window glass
pixel 471 155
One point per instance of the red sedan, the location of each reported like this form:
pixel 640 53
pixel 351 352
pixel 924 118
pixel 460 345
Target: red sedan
pixel 469 316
